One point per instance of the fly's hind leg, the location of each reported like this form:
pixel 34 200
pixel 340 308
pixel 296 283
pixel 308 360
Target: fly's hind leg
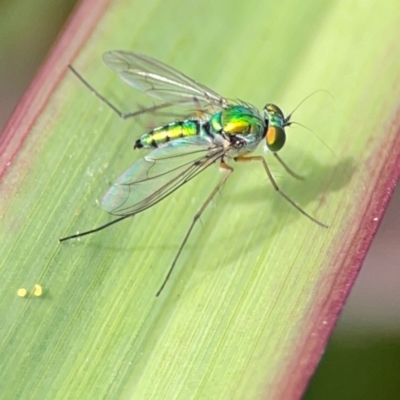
pixel 228 170
pixel 276 187
pixel 100 228
pixel 108 103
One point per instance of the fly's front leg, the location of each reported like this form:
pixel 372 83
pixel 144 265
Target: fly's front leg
pixel 276 187
pixel 108 103
pixel 228 170
pixel 287 169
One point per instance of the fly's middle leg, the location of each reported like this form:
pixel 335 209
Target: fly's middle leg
pixel 227 170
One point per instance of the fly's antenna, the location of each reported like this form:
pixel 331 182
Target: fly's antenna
pixel 287 119
pixel 288 122
pixel 317 136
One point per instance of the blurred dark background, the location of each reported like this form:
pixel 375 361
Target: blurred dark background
pixel 362 360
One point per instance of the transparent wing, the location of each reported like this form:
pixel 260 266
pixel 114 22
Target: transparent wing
pixel 160 173
pixel 162 82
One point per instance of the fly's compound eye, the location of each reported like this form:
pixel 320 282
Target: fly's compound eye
pixel 275 138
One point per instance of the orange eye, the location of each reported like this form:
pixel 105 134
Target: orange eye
pixel 275 138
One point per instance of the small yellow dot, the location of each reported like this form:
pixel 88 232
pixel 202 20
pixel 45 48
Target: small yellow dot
pixel 38 290
pixel 22 292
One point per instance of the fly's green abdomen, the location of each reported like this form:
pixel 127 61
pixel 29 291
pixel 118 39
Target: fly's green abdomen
pixel 164 134
pixel 236 120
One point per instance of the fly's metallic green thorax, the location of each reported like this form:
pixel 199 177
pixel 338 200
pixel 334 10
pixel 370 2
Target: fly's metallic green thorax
pixel 275 136
pixel 165 133
pixel 236 120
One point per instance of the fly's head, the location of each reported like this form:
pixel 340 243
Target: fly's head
pixel 275 122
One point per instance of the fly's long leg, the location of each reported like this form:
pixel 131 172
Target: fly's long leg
pixel 95 229
pixel 276 187
pixel 121 114
pixel 221 183
pixel 287 169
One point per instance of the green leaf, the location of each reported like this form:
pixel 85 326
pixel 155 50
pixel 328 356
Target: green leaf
pixel 258 288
